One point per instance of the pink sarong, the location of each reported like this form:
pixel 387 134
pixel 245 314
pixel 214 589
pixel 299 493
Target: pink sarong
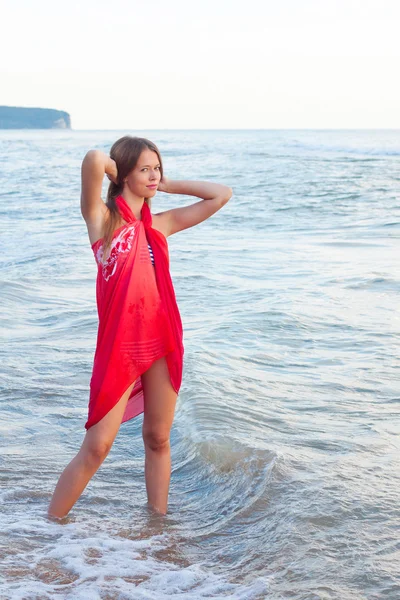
pixel 139 320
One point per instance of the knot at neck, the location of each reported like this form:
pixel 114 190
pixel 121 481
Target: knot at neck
pixel 126 212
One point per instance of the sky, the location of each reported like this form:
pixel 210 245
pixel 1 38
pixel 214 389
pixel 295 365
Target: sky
pixel 210 64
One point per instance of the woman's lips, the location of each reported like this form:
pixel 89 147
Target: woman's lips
pixel 151 186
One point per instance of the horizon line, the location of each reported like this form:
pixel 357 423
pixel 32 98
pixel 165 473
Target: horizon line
pixel 243 129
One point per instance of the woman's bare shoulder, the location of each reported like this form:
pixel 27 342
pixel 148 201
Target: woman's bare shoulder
pixel 159 223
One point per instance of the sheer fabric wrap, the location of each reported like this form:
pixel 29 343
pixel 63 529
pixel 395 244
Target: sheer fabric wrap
pixel 139 319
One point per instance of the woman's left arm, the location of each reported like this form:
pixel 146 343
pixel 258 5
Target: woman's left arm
pixel 215 196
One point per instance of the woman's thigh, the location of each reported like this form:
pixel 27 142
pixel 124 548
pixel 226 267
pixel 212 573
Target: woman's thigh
pixel 104 432
pixel 159 397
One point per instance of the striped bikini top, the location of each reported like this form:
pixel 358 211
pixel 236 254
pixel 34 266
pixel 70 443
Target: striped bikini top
pixel 151 254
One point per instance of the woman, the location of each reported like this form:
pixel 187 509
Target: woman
pixel 139 352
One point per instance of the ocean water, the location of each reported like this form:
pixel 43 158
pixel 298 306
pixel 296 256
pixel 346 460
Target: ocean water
pixel 285 443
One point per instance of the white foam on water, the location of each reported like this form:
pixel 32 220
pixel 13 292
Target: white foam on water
pixel 83 561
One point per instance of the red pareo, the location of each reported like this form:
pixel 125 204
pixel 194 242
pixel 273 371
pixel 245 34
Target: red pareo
pixel 139 320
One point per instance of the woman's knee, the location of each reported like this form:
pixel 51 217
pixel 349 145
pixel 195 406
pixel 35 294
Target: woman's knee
pixel 156 439
pixel 100 437
pixel 95 451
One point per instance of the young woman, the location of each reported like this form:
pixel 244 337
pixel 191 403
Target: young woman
pixel 139 352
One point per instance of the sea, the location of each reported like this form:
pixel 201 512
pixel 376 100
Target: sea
pixel 285 454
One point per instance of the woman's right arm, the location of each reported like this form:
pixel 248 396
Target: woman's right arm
pixel 94 166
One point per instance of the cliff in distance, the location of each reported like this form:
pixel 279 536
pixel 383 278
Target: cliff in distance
pixel 15 117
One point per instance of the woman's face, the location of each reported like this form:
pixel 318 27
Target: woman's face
pixel 146 173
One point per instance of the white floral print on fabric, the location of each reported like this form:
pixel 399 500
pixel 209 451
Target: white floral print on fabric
pixel 120 244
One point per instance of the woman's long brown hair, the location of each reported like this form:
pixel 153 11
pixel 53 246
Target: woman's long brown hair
pixel 126 152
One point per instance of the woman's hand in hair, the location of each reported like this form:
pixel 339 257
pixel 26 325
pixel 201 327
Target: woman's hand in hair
pixel 111 170
pixel 163 185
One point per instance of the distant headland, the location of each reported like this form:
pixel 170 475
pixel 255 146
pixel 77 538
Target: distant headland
pixel 19 117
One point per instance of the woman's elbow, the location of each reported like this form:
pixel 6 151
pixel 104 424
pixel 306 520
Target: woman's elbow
pixel 228 195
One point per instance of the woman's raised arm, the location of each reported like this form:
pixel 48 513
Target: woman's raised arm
pixel 215 196
pixel 95 165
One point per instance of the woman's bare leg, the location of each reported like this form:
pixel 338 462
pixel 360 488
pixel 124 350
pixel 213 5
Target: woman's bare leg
pixel 95 448
pixel 159 408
